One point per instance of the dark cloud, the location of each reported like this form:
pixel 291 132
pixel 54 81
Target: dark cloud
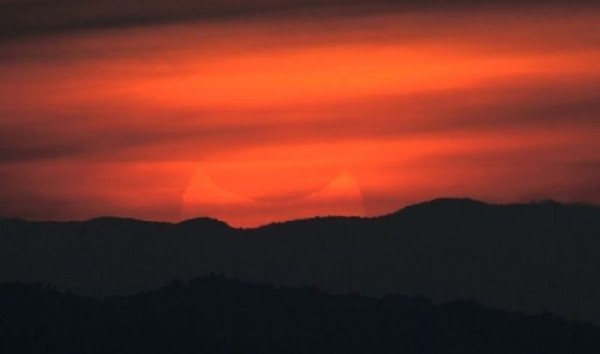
pixel 29 17
pixel 79 140
pixel 530 104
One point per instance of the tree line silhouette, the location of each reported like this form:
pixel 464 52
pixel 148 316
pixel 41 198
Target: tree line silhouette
pixel 219 315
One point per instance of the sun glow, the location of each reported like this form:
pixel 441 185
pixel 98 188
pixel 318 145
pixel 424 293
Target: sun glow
pixel 340 197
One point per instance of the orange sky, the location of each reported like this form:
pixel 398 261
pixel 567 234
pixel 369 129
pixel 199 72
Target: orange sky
pixel 254 120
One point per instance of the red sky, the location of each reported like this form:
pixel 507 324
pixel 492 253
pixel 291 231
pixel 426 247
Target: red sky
pixel 260 118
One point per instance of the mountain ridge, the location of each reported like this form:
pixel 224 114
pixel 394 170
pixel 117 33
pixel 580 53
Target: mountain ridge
pixel 432 203
pixel 525 257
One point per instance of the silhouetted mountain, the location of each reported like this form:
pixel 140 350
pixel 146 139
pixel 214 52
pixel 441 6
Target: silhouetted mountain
pixel 207 225
pixel 526 257
pixel 217 315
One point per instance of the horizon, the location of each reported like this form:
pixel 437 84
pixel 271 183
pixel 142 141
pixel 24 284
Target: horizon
pixel 439 200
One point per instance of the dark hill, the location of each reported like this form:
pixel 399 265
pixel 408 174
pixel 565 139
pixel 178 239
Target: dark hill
pixel 527 257
pixel 217 315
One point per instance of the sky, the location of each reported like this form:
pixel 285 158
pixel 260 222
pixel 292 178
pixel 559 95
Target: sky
pixel 261 111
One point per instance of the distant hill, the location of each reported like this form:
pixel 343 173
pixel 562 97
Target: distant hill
pixel 526 257
pixel 217 315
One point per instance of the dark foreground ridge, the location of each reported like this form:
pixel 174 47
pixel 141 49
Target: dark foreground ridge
pixel 217 315
pixel 520 257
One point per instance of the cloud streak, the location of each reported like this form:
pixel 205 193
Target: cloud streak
pixel 40 17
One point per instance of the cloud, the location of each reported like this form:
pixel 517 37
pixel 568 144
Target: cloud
pixel 43 17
